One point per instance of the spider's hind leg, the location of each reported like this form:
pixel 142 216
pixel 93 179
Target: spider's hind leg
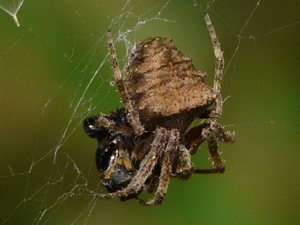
pixel 219 67
pixel 210 132
pixel 218 162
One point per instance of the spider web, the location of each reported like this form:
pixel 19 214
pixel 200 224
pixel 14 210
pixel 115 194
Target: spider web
pixel 56 71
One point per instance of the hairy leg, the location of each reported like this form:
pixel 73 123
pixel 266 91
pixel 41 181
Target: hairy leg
pixel 219 67
pixel 113 126
pixel 210 132
pixel 184 168
pixel 132 115
pixel 166 168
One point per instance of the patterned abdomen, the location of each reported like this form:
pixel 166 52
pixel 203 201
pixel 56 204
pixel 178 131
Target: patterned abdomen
pixel 161 81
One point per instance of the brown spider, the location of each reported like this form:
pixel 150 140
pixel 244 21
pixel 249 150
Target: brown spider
pixel 142 147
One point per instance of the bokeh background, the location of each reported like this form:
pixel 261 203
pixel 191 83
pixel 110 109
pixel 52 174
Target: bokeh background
pixel 54 72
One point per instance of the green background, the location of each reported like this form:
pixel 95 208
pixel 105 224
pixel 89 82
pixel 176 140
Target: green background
pixel 54 73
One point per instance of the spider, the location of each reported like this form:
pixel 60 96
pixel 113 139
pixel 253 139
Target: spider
pixel 144 144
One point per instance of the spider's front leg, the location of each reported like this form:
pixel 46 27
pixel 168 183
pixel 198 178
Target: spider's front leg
pixel 172 139
pixel 210 132
pixel 132 115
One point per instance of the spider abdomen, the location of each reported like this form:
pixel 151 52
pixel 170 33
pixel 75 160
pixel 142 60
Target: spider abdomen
pixel 161 81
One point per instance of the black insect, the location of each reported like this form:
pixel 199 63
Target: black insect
pixel 112 155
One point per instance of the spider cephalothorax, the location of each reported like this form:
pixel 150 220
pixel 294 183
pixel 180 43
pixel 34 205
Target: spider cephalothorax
pixel 143 145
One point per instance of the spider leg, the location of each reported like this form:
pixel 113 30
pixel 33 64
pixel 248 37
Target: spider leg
pixel 113 126
pixel 132 115
pixel 219 67
pixel 184 166
pixel 218 162
pixel 210 132
pixel 194 138
pixel 146 167
pixel 221 135
pixel 166 170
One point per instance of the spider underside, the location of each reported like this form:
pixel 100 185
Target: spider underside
pixel 162 94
